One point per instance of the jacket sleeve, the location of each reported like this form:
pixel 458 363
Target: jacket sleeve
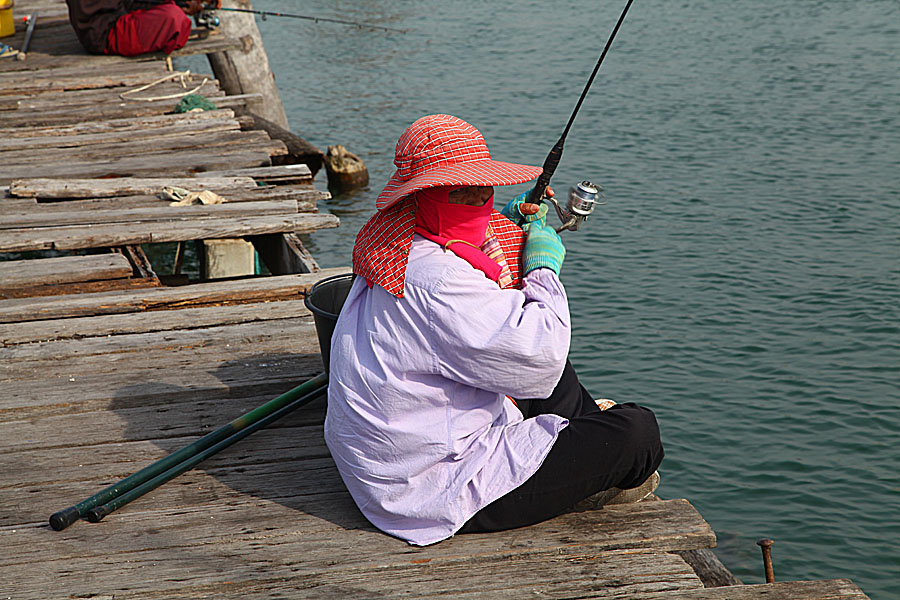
pixel 513 342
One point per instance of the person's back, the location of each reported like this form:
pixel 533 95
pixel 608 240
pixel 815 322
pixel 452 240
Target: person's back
pixel 430 439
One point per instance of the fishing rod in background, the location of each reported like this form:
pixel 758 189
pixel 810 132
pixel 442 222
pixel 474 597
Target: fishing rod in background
pixel 207 18
pixel 583 197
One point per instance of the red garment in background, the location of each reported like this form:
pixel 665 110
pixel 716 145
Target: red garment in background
pixel 164 27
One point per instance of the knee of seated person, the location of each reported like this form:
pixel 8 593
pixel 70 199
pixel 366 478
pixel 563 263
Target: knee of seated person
pixel 643 427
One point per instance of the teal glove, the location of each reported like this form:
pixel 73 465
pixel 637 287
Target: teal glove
pixel 543 248
pixel 513 212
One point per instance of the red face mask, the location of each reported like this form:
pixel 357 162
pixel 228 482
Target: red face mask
pixel 457 227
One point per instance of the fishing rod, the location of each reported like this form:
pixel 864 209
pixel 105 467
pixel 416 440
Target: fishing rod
pixel 152 476
pixel 205 18
pixel 583 197
pixel 265 13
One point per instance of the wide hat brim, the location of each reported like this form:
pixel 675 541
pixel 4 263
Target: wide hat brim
pixel 477 172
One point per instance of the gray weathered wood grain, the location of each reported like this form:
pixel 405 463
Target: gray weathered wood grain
pixel 156 299
pixel 44 187
pixel 111 214
pixel 64 269
pixel 119 234
pixel 175 320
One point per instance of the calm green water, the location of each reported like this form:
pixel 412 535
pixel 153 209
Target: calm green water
pixel 742 280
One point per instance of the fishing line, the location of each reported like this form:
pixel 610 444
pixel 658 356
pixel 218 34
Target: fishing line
pixel 265 13
pixel 584 196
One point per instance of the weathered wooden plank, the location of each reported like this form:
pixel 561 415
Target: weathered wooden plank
pixel 117 137
pixel 15 160
pixel 75 79
pixel 38 101
pixel 262 462
pixel 256 289
pixel 54 115
pixel 571 574
pixel 709 568
pixel 230 362
pixel 325 534
pixel 13 79
pixel 262 173
pixel 68 393
pixel 178 164
pixel 117 125
pixel 29 358
pixel 62 116
pixel 118 234
pixel 305 196
pixel 828 589
pixel 164 427
pixel 162 212
pixel 64 269
pixel 127 186
pixel 617 574
pixel 85 287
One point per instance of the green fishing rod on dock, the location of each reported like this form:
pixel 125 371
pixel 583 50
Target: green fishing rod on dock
pixel 152 476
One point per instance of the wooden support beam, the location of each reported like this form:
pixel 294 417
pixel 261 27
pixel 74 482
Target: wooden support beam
pixel 284 254
pixel 299 150
pixel 226 258
pixel 141 266
pixel 247 70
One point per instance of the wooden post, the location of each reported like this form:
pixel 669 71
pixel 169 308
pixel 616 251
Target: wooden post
pixel 226 258
pixel 246 71
pixel 284 254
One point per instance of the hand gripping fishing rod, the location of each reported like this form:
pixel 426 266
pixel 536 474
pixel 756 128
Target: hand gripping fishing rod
pixel 583 197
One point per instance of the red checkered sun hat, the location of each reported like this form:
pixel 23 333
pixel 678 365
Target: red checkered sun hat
pixel 440 150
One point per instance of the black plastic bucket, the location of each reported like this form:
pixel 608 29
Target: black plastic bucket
pixel 325 300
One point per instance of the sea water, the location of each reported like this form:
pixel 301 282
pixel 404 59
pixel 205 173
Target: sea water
pixel 743 278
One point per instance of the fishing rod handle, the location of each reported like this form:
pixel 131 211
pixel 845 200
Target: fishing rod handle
pixel 550 164
pixel 62 519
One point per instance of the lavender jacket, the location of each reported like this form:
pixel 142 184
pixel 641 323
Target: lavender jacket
pixel 418 421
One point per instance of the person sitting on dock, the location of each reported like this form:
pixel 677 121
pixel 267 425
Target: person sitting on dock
pixel 132 27
pixel 454 312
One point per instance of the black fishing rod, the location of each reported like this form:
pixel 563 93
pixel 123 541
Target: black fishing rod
pixel 266 13
pixel 583 197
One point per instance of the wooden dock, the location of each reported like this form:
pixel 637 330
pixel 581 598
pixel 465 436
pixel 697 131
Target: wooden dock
pixel 107 366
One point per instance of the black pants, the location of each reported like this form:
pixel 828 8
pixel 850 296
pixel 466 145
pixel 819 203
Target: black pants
pixel 618 447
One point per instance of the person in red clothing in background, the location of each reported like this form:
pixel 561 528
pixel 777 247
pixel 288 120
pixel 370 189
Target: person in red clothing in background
pixel 132 27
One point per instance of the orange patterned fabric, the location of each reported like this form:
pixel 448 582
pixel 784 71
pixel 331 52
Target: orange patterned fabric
pixel 491 248
pixel 382 246
pixel 443 150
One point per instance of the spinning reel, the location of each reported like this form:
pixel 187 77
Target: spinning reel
pixel 579 205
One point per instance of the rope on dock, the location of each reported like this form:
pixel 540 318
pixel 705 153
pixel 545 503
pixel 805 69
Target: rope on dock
pixel 181 75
